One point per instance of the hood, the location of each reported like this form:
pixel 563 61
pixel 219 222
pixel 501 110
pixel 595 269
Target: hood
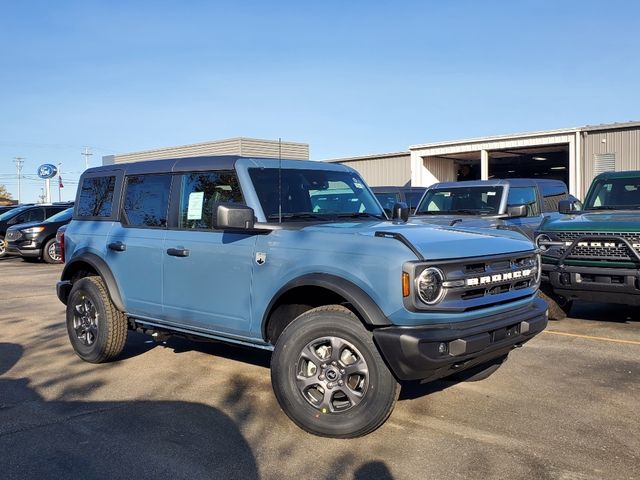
pixel 596 221
pixel 22 226
pixel 436 242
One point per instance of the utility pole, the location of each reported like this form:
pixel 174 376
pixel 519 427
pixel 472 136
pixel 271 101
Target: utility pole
pixel 19 161
pixel 86 154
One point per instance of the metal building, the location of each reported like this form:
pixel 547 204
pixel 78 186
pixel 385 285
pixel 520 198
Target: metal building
pixel 248 147
pixel 574 155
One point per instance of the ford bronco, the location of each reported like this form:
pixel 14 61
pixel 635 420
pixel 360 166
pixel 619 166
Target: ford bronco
pixel 298 258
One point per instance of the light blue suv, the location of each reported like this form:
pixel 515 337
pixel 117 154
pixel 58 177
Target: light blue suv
pixel 297 257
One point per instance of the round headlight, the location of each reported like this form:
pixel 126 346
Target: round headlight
pixel 429 285
pixel 542 238
pixel 538 268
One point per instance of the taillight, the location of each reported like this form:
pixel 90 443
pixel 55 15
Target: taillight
pixel 60 241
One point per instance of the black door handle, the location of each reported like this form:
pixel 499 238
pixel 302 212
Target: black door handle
pixel 178 252
pixel 117 246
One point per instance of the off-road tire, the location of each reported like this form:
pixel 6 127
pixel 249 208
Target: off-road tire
pixel 559 307
pixel 376 402
pixel 45 251
pixel 111 324
pixel 479 372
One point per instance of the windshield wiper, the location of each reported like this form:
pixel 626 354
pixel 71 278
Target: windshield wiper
pixel 297 216
pixel 605 207
pixel 359 215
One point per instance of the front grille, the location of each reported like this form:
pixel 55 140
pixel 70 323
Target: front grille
pixel 597 246
pixel 482 282
pixel 13 235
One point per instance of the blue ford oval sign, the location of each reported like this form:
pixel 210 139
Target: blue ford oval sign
pixel 47 171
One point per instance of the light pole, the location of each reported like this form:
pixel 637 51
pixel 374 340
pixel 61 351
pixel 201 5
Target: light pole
pixel 19 161
pixel 60 182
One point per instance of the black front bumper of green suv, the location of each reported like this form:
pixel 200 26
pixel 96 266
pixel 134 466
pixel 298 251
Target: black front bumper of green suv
pixel 593 283
pixel 435 351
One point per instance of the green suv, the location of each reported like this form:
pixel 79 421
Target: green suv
pixel 593 252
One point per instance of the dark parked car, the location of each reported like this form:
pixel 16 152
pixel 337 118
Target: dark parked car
pixel 388 196
pixel 25 214
pixel 6 208
pixel 37 240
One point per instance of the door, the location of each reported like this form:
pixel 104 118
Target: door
pixel 525 196
pixel 135 244
pixel 207 272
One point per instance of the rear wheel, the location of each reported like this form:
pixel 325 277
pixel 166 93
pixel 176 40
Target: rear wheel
pixel 559 306
pixel 96 329
pixel 328 376
pixel 49 252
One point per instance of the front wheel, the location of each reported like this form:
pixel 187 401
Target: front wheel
pixel 96 329
pixel 3 252
pixel 50 253
pixel 328 376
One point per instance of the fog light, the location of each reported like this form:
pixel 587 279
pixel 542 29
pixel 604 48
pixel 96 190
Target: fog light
pixel 442 348
pixel 565 279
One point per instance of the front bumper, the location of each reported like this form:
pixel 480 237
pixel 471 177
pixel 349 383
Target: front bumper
pixel 596 284
pixel 414 353
pixel 12 249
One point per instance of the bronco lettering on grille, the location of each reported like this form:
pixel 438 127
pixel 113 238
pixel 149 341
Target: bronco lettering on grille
pixel 499 277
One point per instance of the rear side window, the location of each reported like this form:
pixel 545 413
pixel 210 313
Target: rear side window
pixel 201 193
pixel 96 197
pixel 146 200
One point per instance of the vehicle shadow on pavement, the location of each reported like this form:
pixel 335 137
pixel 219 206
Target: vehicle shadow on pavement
pixel 607 312
pixel 253 356
pixel 120 439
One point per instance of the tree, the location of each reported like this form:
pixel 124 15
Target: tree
pixel 5 196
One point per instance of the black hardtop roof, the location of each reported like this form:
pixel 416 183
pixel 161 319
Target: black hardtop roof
pixel 382 189
pixel 220 162
pixel 516 182
pixel 622 174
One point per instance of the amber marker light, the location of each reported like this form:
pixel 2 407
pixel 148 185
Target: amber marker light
pixel 405 284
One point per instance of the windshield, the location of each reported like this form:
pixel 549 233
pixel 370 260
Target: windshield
pixel 62 216
pixel 614 193
pixel 313 194
pixel 484 200
pixel 11 213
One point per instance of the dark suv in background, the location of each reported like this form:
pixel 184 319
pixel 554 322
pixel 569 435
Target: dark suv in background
pixel 37 240
pixel 25 214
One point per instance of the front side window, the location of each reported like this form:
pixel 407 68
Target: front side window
pixel 201 193
pixel 461 200
pixel 96 197
pixel 32 215
pixel 146 200
pixel 304 194
pixel 524 196
pixel 615 193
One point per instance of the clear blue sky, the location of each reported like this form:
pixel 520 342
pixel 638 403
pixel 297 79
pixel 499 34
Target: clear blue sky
pixel 349 78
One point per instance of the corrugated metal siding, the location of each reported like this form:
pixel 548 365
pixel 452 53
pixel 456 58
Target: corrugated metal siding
pixel 624 143
pixel 438 170
pixel 248 147
pixel 383 171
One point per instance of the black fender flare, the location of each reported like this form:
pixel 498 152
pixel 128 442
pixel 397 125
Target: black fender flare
pixel 361 301
pixel 100 266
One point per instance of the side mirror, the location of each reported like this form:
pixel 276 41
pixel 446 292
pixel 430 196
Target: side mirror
pixel 232 216
pixel 400 213
pixel 568 206
pixel 516 211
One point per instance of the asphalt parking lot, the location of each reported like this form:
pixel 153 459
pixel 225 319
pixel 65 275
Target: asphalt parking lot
pixel 563 407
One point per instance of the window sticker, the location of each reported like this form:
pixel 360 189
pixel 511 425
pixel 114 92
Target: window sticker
pixel 446 194
pixel 491 194
pixel 196 199
pixel 357 184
